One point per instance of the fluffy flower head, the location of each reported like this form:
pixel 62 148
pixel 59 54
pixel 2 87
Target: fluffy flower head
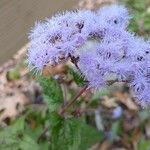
pixel 99 45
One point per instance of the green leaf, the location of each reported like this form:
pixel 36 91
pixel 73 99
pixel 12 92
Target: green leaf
pixel 14 129
pixel 72 134
pixel 14 137
pixel 143 145
pixel 65 133
pixel 28 143
pixel 52 92
pixel 89 136
pixel 77 77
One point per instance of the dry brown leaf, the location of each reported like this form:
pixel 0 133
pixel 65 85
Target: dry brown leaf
pixel 109 102
pixel 131 121
pixel 94 147
pixel 118 149
pixel 104 146
pixel 14 95
pixel 136 135
pixel 125 142
pixel 92 4
pixel 12 105
pixel 125 99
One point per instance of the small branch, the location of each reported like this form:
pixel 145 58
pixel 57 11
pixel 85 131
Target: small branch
pixel 42 134
pixel 73 100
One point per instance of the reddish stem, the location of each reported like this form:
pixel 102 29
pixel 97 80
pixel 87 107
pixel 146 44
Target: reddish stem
pixel 73 100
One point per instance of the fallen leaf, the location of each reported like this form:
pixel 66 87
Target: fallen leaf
pixel 131 120
pixel 12 105
pixel 125 99
pixel 104 145
pixel 109 102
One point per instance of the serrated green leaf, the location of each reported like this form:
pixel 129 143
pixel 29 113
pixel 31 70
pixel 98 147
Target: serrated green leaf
pixel 65 134
pixel 28 143
pixel 72 134
pixel 14 137
pixel 52 92
pixel 14 129
pixel 9 136
pixel 89 136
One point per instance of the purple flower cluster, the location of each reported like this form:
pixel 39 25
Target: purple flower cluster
pixel 99 44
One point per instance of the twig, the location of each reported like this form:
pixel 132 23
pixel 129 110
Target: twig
pixel 73 100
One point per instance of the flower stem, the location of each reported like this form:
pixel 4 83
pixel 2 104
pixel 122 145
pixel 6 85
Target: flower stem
pixel 73 100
